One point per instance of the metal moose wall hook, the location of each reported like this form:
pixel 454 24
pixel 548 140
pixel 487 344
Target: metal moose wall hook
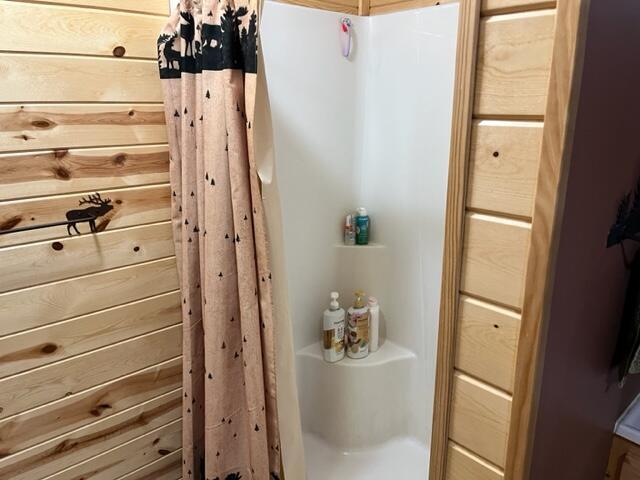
pixel 89 215
pixel 627 224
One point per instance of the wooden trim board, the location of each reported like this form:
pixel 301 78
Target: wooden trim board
pixel 557 140
pixel 468 30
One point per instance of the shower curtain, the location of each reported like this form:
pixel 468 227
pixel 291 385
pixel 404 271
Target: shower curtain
pixel 208 64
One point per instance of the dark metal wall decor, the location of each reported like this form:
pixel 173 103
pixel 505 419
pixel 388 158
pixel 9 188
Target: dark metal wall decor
pixel 627 227
pixel 88 215
pixel 100 207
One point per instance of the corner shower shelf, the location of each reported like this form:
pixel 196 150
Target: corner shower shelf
pixel 388 352
pixel 360 247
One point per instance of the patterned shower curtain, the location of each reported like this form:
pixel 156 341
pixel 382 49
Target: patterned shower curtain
pixel 208 64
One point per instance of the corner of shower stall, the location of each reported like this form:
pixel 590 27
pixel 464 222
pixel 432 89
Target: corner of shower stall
pixel 374 131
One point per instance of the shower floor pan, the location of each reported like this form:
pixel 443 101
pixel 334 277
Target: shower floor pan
pixel 402 458
pixel 357 416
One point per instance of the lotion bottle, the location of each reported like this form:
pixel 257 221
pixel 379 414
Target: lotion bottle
pixel 333 331
pixel 358 328
pixel 374 324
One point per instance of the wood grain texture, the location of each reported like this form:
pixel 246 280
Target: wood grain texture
pixel 494 259
pixel 480 418
pixel 514 58
pixel 72 171
pixel 31 427
pixel 168 467
pixel 621 450
pixel 487 342
pixel 98 437
pixel 51 78
pixel 127 457
pixel 28 27
pixel 59 341
pixel 157 7
pixel 83 254
pixel 90 326
pixel 363 7
pixel 380 7
pixel 61 127
pixel 341 6
pixel 557 142
pixel 468 26
pixel 464 465
pixel 62 379
pixel 46 304
pixel 504 166
pixel 495 7
pixel 131 206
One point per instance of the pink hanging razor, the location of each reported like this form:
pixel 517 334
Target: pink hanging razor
pixel 345 36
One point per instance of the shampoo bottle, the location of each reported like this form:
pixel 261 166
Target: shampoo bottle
pixel 374 324
pixel 333 326
pixel 358 328
pixel 362 227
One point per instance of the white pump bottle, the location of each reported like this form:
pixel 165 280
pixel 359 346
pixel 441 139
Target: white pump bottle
pixel 333 331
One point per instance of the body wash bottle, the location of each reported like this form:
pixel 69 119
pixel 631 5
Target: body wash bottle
pixel 358 328
pixel 333 331
pixel 362 227
pixel 374 324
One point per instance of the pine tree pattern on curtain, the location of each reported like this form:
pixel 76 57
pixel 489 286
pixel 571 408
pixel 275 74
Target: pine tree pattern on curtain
pixel 207 57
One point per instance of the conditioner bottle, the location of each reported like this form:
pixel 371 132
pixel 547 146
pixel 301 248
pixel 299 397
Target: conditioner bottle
pixel 358 328
pixel 333 335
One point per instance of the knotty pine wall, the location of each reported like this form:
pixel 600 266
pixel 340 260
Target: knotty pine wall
pixel 90 325
pixel 512 75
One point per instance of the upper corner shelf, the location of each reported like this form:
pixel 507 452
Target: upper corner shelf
pixel 363 247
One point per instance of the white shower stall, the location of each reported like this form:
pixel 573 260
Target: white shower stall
pixel 371 130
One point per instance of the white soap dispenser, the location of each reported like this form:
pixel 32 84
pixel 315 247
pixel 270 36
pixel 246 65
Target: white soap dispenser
pixel 333 335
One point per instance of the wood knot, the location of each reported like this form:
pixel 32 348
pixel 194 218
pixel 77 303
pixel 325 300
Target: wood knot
pixel 120 159
pixel 164 452
pixel 119 51
pixel 496 154
pixel 118 202
pixel 61 173
pixel 41 123
pixel 10 223
pixel 49 348
pixel 57 246
pixel 99 410
pixel 61 153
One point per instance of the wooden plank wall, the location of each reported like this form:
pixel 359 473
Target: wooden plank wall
pixel 513 62
pixel 90 325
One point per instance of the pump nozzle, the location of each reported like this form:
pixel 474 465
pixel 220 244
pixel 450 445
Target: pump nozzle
pixel 334 305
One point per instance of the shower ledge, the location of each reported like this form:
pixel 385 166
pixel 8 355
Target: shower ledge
pixel 388 352
pixel 360 247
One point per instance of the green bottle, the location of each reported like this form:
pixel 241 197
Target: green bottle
pixel 362 227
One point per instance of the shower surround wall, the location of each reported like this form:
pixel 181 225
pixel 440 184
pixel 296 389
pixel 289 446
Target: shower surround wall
pixel 372 130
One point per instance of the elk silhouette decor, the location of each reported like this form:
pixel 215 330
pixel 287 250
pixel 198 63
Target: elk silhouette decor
pixel 627 227
pixel 98 208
